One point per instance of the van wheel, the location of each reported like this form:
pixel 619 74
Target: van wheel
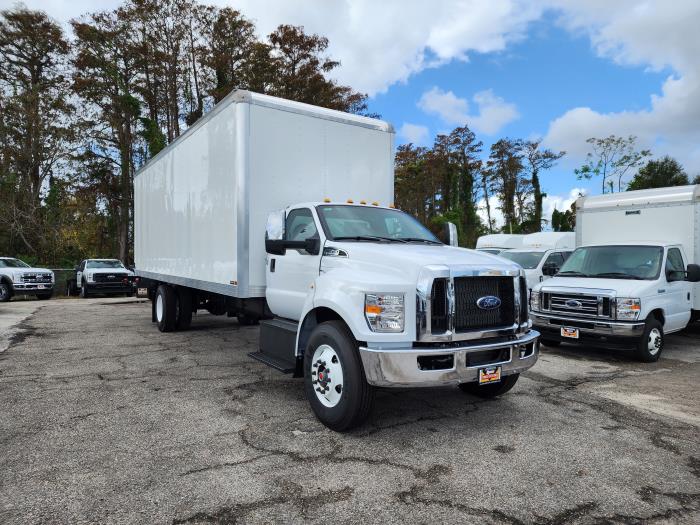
pixel 84 292
pixel 184 308
pixel 492 390
pixel 651 343
pixel 5 293
pixel 334 379
pixel 166 308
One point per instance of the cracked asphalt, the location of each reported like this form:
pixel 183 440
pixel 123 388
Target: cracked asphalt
pixel 104 419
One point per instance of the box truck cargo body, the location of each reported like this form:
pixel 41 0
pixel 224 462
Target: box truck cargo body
pixel 633 277
pixel 281 213
pixel 201 204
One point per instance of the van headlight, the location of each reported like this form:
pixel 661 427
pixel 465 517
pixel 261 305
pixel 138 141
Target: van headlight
pixel 385 312
pixel 628 308
pixel 534 300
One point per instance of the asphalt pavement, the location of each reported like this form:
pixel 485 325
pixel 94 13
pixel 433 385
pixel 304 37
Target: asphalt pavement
pixel 106 420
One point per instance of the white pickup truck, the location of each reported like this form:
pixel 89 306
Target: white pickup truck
pixel 350 295
pixel 104 277
pixel 19 278
pixel 620 287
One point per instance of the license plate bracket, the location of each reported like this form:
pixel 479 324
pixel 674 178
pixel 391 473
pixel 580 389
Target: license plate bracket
pixel 569 332
pixel 489 374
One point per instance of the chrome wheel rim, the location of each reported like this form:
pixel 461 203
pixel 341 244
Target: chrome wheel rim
pixel 159 308
pixel 327 376
pixel 4 292
pixel 654 342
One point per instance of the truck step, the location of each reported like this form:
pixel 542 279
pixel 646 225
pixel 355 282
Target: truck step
pixel 286 367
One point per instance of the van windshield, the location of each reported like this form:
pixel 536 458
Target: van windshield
pixel 614 262
pixel 527 260
pixel 366 223
pixel 104 264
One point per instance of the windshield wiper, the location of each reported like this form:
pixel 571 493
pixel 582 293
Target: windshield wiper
pixel 574 273
pixel 367 238
pixel 617 275
pixel 418 239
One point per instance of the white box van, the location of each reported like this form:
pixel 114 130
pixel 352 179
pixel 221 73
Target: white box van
pixel 542 254
pixel 495 243
pixel 280 212
pixel 634 276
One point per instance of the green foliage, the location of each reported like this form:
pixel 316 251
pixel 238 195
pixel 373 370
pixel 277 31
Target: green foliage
pixel 153 135
pixel 563 221
pixel 612 159
pixel 659 174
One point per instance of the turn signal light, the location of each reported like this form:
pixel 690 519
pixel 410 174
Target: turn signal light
pixel 373 309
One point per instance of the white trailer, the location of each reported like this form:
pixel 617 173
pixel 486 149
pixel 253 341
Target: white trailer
pixel 634 276
pixel 282 212
pixel 495 243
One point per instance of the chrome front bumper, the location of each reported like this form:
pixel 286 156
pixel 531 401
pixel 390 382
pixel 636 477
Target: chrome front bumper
pixel 632 329
pixel 400 367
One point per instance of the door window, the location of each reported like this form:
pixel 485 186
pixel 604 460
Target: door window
pixel 300 225
pixel 555 259
pixel 675 269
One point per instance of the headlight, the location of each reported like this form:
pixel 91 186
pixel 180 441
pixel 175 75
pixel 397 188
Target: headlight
pixel 534 300
pixel 384 312
pixel 90 277
pixel 16 277
pixel 628 308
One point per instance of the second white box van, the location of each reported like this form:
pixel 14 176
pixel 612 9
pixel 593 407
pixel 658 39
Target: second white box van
pixel 542 254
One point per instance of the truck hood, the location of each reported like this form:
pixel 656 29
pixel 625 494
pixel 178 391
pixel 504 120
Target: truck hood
pixel 407 260
pixel 109 270
pixel 621 287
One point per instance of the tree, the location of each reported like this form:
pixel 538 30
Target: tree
pixel 611 158
pixel 659 174
pixel 537 160
pixel 505 172
pixel 36 127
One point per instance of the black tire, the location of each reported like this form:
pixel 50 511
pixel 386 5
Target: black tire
pixel 651 344
pixel 492 390
pixel 167 321
pixel 44 296
pixel 550 342
pixel 5 292
pixel 247 320
pixel 184 308
pixel 356 395
pixel 84 291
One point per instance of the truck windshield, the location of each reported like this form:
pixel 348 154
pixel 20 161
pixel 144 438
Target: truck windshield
pixel 614 262
pixel 13 263
pixel 527 260
pixel 104 264
pixel 365 223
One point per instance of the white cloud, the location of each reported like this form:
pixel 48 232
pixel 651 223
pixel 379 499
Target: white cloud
pixel 549 204
pixel 493 112
pixel 655 34
pixel 414 133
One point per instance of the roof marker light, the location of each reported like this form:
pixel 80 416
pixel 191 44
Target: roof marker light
pixel 326 200
pixel 392 205
pixel 349 201
pixel 363 202
pixel 375 203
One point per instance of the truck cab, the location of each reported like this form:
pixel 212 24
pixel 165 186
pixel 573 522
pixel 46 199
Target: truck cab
pixel 365 296
pixel 542 254
pixel 629 294
pixel 20 278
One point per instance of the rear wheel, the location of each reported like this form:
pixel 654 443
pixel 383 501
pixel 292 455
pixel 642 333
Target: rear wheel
pixel 5 292
pixel 184 308
pixel 334 379
pixel 651 343
pixel 166 308
pixel 492 390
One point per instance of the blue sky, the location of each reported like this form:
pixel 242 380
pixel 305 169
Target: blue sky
pixel 563 70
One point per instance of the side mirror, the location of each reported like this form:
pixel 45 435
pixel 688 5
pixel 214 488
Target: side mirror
pixel 280 246
pixel 76 268
pixel 450 234
pixel 550 269
pixel 692 273
pixel 274 229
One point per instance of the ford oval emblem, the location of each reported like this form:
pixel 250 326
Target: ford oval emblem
pixel 573 303
pixel 488 303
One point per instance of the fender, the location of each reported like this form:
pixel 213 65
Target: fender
pixel 342 291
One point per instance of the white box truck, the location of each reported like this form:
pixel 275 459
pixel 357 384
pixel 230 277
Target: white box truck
pixel 250 213
pixel 495 243
pixel 634 275
pixel 542 254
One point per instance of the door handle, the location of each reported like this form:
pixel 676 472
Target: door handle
pixel 272 265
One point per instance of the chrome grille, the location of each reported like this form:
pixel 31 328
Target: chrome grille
pixel 468 290
pixel 36 278
pixel 577 305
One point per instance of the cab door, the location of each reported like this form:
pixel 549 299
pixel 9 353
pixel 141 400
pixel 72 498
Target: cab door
pixel 290 277
pixel 553 260
pixel 678 291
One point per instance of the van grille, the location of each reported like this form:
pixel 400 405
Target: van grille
pixel 577 305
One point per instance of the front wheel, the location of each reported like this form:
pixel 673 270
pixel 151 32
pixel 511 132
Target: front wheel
pixel 492 390
pixel 5 292
pixel 651 343
pixel 334 379
pixel 84 292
